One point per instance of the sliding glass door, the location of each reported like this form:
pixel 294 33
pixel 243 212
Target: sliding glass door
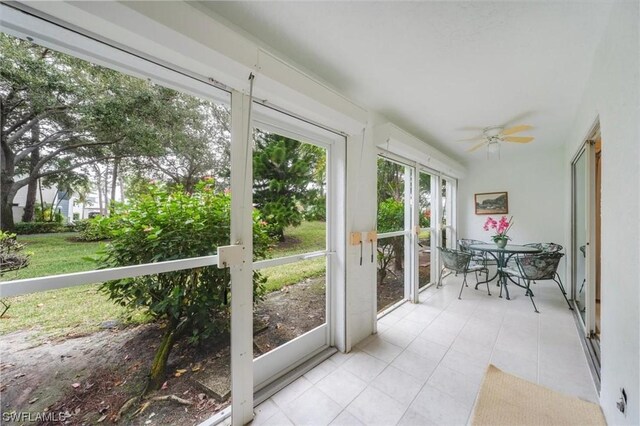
pixel 585 241
pixel 416 214
pixel 294 190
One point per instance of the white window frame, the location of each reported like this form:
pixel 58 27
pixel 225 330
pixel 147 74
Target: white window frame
pixel 281 360
pixel 412 285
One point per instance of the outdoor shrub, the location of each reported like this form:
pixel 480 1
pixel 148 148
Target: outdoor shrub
pixel 168 224
pixel 80 225
pixel 22 228
pixel 97 228
pixel 12 256
pixel 390 218
pixel 390 215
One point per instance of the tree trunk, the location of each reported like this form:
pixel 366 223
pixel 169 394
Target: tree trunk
pixel 114 179
pixel 159 365
pixel 6 207
pixel 106 190
pixel 121 183
pixel 41 200
pixel 99 185
pixel 398 253
pixel 7 188
pixel 32 189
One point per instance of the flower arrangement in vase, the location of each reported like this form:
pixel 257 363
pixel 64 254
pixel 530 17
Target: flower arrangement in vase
pixel 501 227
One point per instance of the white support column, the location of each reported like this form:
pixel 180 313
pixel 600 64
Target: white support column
pixel 436 222
pixel 411 248
pixel 241 276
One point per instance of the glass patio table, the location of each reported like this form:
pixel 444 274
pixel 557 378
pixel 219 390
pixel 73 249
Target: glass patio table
pixel 502 257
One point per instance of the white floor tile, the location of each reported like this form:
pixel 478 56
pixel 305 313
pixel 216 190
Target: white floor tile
pixel 278 419
pixel 264 411
pixel 441 336
pixel 312 408
pixel 397 384
pixel 427 363
pixel 346 419
pixel 471 348
pixel 364 366
pixel 463 363
pixel 373 407
pixel 409 327
pixel 439 408
pixel 397 337
pixel 461 387
pixel 382 349
pixel 319 372
pixel 341 386
pixel 513 364
pixel 427 349
pixel 413 418
pixel 291 392
pixel 415 365
pixel 340 358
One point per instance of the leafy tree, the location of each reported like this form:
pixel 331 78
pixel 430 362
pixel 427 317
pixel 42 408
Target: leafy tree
pixel 196 145
pixel 390 216
pixel 59 114
pixel 41 106
pixel 284 181
pixel 167 224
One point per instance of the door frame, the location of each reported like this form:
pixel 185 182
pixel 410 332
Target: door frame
pixel 278 362
pixel 588 326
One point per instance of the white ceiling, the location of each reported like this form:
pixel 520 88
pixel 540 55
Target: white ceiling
pixel 435 68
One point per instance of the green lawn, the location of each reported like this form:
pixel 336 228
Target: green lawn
pixel 308 237
pixel 78 310
pixel 54 254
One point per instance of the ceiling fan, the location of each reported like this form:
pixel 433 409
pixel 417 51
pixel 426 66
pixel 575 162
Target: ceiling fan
pixel 492 136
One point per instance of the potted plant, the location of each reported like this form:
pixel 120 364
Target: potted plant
pixel 501 228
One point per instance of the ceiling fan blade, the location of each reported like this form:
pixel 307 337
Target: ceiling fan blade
pixel 477 138
pixel 516 129
pixel 517 119
pixel 476 146
pixel 519 139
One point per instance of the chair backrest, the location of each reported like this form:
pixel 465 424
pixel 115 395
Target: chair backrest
pixel 546 247
pixel 464 244
pixel 455 260
pixel 541 266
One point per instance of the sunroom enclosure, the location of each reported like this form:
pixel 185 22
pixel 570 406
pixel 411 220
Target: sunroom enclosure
pixel 357 267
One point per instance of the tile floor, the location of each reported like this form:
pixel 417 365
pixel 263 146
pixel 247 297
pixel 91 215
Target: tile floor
pixel 426 364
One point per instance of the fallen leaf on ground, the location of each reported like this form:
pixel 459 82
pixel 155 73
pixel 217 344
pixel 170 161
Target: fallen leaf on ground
pixel 180 372
pixel 196 367
pixel 33 400
pixel 165 385
pixel 75 385
pixel 102 419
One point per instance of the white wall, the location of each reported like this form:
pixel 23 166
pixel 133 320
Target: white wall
pixel 535 186
pixel 613 93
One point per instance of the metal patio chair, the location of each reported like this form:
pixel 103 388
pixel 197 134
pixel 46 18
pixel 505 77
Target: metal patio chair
pixel 538 267
pixel 459 262
pixel 476 256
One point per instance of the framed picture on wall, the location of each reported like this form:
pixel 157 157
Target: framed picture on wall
pixel 492 203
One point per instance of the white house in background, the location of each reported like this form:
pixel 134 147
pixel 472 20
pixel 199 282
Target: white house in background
pixel 49 196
